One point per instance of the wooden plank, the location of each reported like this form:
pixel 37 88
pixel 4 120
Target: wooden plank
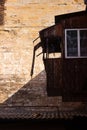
pixel 75 80
pixel 53 71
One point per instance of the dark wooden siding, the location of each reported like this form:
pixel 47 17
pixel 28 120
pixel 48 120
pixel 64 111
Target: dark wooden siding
pixel 76 22
pixel 54 76
pixel 75 79
pixel 66 77
pixel 74 69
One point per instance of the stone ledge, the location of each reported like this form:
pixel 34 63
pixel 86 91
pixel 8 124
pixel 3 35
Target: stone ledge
pixel 38 113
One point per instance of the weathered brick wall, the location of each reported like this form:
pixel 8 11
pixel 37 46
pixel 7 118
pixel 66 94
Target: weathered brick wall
pixel 20 22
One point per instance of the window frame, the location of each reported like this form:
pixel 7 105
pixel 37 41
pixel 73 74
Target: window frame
pixel 78 43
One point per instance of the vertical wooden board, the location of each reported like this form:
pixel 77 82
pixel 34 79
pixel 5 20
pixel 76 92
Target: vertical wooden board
pixel 75 81
pixel 81 76
pixel 68 76
pixel 49 72
pixel 53 71
pixel 57 74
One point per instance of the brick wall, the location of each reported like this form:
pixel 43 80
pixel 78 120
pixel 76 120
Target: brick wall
pixel 20 23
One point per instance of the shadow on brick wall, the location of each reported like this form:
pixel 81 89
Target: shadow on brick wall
pixel 30 94
pixel 36 47
pixel 2 8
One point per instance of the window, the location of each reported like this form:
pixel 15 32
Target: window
pixel 75 43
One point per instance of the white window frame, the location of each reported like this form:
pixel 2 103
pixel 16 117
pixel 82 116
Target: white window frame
pixel 78 42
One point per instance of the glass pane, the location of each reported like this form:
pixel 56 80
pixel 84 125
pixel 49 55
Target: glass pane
pixel 72 43
pixel 83 42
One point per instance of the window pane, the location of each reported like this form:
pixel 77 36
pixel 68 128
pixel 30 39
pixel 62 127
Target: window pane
pixel 83 42
pixel 72 43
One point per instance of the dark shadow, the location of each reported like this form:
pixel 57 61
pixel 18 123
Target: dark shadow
pixel 2 8
pixel 36 47
pixel 31 93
